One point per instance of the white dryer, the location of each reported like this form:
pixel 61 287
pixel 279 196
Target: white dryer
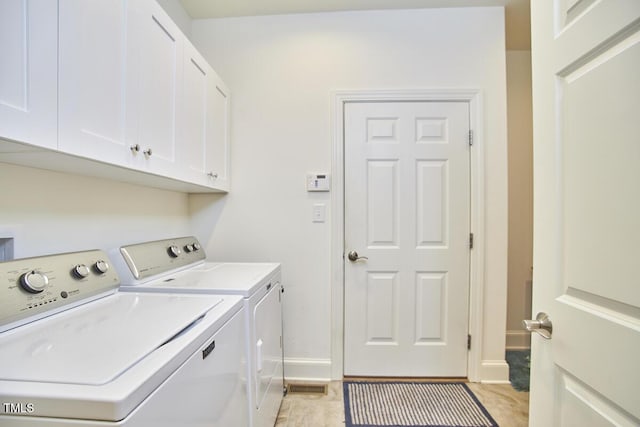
pixel 179 266
pixel 75 352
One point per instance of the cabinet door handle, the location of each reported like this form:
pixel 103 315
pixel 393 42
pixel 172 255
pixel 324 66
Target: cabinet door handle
pixel 135 148
pixel 148 152
pixel 213 175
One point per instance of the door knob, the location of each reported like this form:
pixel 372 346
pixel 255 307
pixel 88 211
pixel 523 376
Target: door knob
pixel 542 325
pixel 353 256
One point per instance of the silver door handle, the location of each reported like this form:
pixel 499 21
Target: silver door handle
pixel 353 256
pixel 542 325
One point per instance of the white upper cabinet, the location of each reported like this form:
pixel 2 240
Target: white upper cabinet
pixel 154 86
pixel 115 82
pixel 92 82
pixel 28 74
pixel 203 122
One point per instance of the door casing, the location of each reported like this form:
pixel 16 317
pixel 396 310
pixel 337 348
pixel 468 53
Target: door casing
pixel 477 219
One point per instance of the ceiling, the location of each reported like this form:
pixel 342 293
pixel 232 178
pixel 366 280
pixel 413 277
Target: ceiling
pixel 518 28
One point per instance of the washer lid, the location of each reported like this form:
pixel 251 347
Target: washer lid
pixel 95 343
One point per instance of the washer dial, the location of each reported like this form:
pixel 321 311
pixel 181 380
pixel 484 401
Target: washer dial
pixel 174 251
pixel 101 267
pixel 34 282
pixel 80 271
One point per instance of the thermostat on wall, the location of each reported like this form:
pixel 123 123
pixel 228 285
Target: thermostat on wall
pixel 318 182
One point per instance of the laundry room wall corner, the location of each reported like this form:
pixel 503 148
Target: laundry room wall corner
pixel 205 211
pixel 282 70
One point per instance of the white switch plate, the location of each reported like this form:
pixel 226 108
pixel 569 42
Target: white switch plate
pixel 319 212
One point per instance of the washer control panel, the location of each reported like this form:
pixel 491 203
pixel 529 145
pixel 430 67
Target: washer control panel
pixel 151 258
pixel 33 286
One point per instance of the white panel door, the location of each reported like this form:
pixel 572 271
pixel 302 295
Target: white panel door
pixel 155 70
pixel 92 100
pixel 586 93
pixel 28 74
pixel 407 210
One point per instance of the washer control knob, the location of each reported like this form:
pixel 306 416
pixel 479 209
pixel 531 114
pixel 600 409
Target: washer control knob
pixel 188 248
pixel 101 266
pixel 174 251
pixel 34 282
pixel 80 271
pixel 196 246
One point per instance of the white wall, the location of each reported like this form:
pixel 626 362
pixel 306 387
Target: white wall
pixel 281 70
pixel 50 212
pixel 520 135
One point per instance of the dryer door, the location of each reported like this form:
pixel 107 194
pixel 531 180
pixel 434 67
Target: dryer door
pixel 267 318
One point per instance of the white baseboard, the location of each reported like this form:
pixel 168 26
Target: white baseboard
pixel 518 340
pixel 319 370
pixel 312 370
pixel 494 372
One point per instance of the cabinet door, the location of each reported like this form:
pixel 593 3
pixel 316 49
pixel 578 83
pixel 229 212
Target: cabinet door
pixel 155 85
pixel 193 116
pixel 28 74
pixel 203 123
pixel 217 150
pixel 92 80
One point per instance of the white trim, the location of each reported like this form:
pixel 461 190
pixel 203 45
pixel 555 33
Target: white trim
pixel 475 371
pixel 494 372
pixel 316 370
pixel 518 340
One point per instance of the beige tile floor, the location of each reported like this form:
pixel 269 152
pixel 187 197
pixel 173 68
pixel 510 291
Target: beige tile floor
pixel 507 406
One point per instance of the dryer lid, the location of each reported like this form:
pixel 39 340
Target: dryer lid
pixel 233 278
pixel 95 343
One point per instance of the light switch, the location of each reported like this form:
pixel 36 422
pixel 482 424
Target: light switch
pixel 319 212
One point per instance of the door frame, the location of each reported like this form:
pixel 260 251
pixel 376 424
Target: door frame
pixel 477 220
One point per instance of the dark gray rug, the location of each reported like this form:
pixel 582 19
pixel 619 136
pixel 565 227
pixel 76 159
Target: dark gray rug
pixel 368 404
pixel 519 368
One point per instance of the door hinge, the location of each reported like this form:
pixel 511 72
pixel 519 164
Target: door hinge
pixel 470 240
pixel 469 342
pixel 470 137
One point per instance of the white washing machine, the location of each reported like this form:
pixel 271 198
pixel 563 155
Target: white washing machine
pixel 179 266
pixel 75 352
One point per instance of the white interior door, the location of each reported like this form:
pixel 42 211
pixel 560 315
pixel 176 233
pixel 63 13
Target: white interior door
pixel 586 92
pixel 407 211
